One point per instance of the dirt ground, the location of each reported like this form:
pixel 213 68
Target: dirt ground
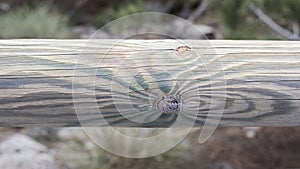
pixel 229 148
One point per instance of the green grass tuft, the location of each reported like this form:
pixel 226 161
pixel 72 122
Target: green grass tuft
pixel 123 9
pixel 40 22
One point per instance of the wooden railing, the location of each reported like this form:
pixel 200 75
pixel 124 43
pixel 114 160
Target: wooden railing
pixel 256 83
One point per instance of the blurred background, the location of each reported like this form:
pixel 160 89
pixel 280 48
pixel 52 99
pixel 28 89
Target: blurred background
pixel 228 148
pixel 227 19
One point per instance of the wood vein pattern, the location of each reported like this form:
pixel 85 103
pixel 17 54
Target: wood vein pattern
pixel 262 82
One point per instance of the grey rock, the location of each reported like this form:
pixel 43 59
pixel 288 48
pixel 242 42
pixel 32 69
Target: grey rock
pixel 175 28
pixel 4 7
pixel 22 152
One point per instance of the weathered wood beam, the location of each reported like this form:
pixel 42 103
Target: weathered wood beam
pixel 262 81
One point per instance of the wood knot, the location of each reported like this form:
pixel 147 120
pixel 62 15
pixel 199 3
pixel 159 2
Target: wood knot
pixel 168 104
pixel 183 49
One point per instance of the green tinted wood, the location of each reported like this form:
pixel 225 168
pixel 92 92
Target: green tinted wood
pixel 262 77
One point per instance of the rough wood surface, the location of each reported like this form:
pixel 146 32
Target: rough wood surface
pixel 262 81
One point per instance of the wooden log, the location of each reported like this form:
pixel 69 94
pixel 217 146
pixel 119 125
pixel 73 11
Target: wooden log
pixel 258 82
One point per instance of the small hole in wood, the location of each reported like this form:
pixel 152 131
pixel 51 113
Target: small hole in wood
pixel 168 104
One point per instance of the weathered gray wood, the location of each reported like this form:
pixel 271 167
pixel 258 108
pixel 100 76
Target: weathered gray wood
pixel 262 77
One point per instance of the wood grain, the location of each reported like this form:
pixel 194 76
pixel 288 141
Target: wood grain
pixel 126 78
